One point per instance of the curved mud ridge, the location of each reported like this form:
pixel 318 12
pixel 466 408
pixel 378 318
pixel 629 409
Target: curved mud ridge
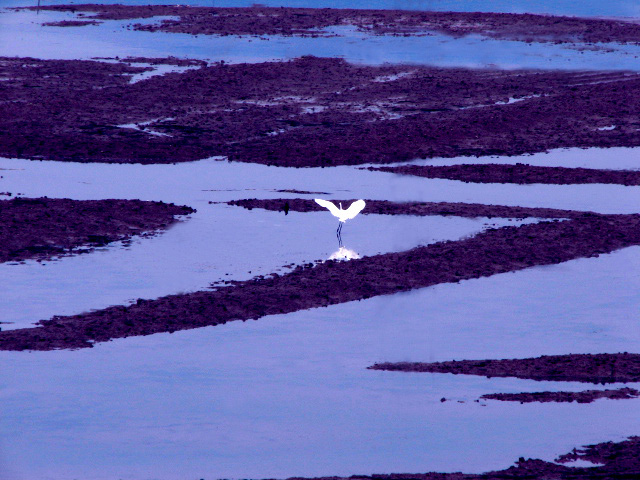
pixel 305 112
pixel 420 209
pixel 488 253
pixel 590 368
pixel 613 461
pixel 71 23
pixel 43 228
pixel 586 396
pixel 262 20
pixel 519 173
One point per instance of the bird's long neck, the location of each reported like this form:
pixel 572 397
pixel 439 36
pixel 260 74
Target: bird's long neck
pixel 340 203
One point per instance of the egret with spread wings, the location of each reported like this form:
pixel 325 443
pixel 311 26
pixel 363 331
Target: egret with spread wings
pixel 343 215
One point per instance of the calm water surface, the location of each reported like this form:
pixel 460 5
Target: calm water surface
pixel 290 394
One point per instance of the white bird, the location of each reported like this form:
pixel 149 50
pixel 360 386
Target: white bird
pixel 343 215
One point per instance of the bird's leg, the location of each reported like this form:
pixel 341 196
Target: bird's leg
pixel 339 234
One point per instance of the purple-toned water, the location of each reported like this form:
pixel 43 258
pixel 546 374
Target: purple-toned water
pixel 290 394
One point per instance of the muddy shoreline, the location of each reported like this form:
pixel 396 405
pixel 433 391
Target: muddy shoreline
pixel 519 173
pixel 45 228
pixel 308 112
pixel 71 23
pixel 488 253
pixel 591 368
pixel 262 20
pixel 612 461
pixel 586 396
pixel 420 209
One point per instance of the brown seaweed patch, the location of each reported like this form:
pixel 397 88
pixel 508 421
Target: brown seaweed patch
pixel 591 368
pixel 519 173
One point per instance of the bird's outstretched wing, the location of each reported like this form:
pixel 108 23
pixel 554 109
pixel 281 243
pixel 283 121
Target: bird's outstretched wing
pixel 329 205
pixel 354 209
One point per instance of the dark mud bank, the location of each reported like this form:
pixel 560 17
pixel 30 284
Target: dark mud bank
pixel 488 253
pixel 262 20
pixel 306 112
pixel 519 174
pixel 590 368
pixel 586 396
pixel 420 209
pixel 614 461
pixel 43 228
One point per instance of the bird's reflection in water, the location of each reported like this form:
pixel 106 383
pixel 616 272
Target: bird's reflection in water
pixel 343 253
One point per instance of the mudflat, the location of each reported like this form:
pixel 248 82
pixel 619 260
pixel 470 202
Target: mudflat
pixel 519 173
pixel 591 368
pixel 488 253
pixel 308 112
pixel 263 20
pixel 586 396
pixel 612 460
pixel 43 228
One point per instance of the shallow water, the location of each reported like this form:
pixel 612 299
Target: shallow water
pixel 290 394
pixel 620 8
pixel 232 400
pixel 21 34
pixel 617 158
pixel 219 242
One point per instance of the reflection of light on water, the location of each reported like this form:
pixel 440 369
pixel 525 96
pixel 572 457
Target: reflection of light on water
pixel 343 253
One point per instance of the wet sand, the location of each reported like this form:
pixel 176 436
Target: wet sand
pixel 614 461
pixel 488 253
pixel 306 112
pixel 44 228
pixel 519 173
pixel 586 396
pixel 262 20
pixel 590 368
